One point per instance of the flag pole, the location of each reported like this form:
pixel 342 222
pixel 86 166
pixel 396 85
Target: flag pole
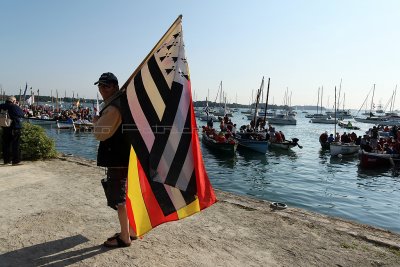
pixel 123 88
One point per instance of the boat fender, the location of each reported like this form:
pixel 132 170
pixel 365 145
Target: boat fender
pixel 278 206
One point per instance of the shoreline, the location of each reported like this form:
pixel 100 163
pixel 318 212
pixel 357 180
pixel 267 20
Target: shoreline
pixel 55 212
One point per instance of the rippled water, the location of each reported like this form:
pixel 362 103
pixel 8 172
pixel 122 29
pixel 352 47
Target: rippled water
pixel 306 178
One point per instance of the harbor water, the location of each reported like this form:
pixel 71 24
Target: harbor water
pixel 306 178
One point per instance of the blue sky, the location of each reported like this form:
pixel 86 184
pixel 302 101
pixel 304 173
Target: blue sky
pixel 300 44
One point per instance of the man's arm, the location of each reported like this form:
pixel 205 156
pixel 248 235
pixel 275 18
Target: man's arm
pixel 106 125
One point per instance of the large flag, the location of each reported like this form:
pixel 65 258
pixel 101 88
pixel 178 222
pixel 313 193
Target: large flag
pixel 167 179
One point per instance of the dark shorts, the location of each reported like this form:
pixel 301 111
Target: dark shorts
pixel 115 186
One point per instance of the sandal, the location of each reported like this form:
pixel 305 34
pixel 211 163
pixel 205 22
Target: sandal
pixel 120 243
pixel 117 234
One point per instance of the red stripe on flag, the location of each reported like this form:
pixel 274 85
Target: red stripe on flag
pixel 205 191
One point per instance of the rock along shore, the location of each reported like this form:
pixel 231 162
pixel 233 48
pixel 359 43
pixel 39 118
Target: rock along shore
pixel 54 213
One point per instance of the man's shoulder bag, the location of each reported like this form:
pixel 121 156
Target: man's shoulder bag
pixel 5 120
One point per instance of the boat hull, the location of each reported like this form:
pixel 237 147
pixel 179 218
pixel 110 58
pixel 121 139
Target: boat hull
pixel 229 148
pixel 255 145
pixel 284 145
pixel 343 149
pixel 377 160
pixel 38 121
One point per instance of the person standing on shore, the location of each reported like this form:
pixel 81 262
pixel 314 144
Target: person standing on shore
pixel 12 135
pixel 113 153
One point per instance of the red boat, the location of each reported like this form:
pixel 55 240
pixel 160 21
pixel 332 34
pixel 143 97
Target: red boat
pixel 377 160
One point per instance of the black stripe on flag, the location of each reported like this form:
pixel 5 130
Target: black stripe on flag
pixel 144 100
pixel 181 152
pixel 166 123
pixel 159 79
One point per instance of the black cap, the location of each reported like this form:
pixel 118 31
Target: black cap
pixel 107 78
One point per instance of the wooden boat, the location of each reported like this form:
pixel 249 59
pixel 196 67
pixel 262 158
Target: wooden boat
pixel 246 141
pixel 377 160
pixel 343 148
pixel 229 146
pixel 286 145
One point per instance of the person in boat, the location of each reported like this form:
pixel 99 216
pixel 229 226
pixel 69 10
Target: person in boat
pixel 210 123
pixel 252 124
pixel 331 138
pixel 337 137
pixel 358 140
pixel 282 136
pixel 233 129
pixel 374 132
pixel 364 142
pixel 220 137
pixel 278 137
pixel 345 138
pixel 349 125
pixel 113 153
pixel 249 129
pixel 323 138
pixel 226 119
pixel 222 126
pixel 353 136
pixel 70 120
pixel 387 149
pixel 386 129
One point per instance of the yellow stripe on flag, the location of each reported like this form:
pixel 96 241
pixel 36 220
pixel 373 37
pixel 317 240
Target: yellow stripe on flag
pixel 142 220
pixel 189 209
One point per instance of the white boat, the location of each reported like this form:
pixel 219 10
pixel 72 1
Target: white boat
pixel 343 148
pixel 325 120
pixel 282 119
pixel 373 119
pixel 342 114
pixel 205 117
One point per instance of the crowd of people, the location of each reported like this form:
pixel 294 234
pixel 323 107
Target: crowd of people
pixel 378 139
pixel 254 130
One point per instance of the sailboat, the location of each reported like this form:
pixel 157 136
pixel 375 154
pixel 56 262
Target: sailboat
pixel 319 117
pixel 371 118
pixel 254 140
pixel 339 148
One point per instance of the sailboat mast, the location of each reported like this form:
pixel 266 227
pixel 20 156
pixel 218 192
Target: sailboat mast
pixel 266 102
pixel 318 100
pixel 258 100
pixel 322 92
pixel 335 113
pixel 372 101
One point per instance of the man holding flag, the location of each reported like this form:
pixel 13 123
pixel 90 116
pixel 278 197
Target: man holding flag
pixel 167 179
pixel 113 153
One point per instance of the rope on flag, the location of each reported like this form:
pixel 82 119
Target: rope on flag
pixel 167 179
